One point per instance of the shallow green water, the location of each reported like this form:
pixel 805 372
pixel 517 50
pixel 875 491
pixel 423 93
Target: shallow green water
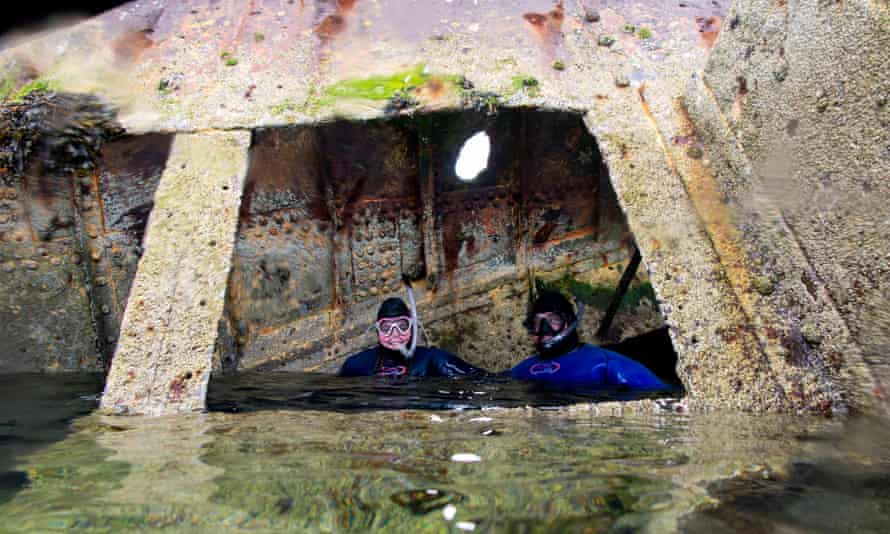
pixel 330 469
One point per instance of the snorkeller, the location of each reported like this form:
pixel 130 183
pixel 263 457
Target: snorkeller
pixel 397 352
pixel 564 362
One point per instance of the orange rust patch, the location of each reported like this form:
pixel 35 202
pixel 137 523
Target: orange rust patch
pixel 547 26
pixel 535 19
pixel 707 197
pixel 433 89
pixel 709 29
pixel 330 26
pixel 131 44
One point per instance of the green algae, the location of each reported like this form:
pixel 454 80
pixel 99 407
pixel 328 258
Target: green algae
pixel 7 86
pixel 258 37
pixel 644 33
pixel 599 296
pixel 10 94
pixel 377 87
pixel 529 84
pixel 605 40
pixel 311 105
pixel 385 87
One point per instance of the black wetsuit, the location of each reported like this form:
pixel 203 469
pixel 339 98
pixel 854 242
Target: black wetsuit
pixel 425 362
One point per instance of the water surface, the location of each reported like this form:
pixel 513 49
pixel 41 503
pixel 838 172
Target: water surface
pixel 301 455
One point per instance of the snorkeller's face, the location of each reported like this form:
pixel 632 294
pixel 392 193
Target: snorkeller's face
pixel 394 332
pixel 545 326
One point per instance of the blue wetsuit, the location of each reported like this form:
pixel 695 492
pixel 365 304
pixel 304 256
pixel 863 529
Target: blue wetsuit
pixel 588 367
pixel 425 362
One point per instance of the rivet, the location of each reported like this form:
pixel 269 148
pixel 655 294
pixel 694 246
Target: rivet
pixel 96 255
pixel 273 231
pixel 92 232
pixel 75 259
pixel 105 309
pixel 373 291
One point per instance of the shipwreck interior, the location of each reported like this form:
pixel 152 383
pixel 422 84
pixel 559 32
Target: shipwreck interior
pixel 334 215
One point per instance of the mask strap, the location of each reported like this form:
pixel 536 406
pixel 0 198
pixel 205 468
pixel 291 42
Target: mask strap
pixel 550 343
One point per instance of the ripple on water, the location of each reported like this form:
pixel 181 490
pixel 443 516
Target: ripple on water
pixel 323 469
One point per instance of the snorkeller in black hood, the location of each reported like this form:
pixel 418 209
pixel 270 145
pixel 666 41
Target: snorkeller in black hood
pixel 563 362
pixel 397 352
pixel 553 324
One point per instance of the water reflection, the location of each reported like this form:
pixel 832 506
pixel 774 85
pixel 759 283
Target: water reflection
pixel 247 391
pixel 341 469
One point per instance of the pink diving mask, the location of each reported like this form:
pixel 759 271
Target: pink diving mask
pixel 388 326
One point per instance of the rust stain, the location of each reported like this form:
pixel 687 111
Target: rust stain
pixel 330 26
pixel 99 202
pixel 741 93
pixel 709 29
pixel 547 27
pixel 27 213
pixel 571 236
pixel 335 23
pixel 706 196
pixel 433 89
pixel 249 10
pixel 131 44
pixel 641 90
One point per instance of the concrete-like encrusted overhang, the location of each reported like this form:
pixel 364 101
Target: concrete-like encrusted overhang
pixel 193 65
pixel 196 68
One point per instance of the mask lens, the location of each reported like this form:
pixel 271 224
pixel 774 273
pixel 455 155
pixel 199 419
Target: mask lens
pixel 397 324
pixel 547 325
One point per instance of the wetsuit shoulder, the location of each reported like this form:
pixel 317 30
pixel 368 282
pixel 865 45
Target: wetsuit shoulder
pixel 581 367
pixel 629 373
pixel 361 364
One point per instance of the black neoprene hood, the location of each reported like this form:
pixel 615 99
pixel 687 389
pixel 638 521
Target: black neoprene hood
pixel 553 302
pixel 393 307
